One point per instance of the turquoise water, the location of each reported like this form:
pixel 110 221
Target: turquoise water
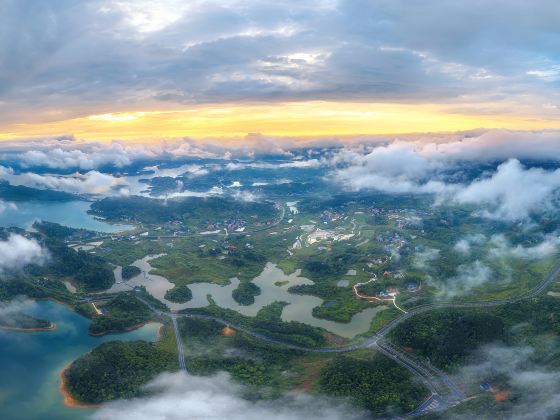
pixel 69 213
pixel 30 363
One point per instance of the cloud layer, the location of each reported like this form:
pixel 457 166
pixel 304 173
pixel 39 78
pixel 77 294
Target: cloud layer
pixel 102 56
pixel 178 396
pixel 17 251
pixel 11 311
pixel 533 388
pixel 506 175
pixel 438 166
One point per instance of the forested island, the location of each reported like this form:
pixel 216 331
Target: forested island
pixel 130 271
pixel 179 294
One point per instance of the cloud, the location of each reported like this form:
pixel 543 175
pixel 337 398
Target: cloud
pixel 454 167
pixel 11 311
pixel 500 247
pixel 104 57
pixel 17 251
pixel 64 153
pixel 246 196
pixel 62 159
pixel 299 164
pixel 179 396
pixel 468 276
pixel 395 168
pixel 437 166
pixel 496 248
pixel 92 182
pixel 463 246
pixel 512 192
pixel 533 388
pixel 424 257
pixel 492 145
pixel 7 205
pixel 186 193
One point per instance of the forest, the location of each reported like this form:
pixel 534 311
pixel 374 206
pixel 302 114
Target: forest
pixel 10 192
pixel 91 272
pixel 447 337
pixel 373 382
pixel 268 321
pixel 116 369
pixel 120 314
pixel 245 293
pixel 179 294
pixel 191 210
pixel 130 271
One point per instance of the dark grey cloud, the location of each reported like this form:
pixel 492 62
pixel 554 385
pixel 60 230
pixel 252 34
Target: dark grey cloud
pixel 68 57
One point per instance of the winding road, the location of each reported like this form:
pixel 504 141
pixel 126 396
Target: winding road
pixel 445 393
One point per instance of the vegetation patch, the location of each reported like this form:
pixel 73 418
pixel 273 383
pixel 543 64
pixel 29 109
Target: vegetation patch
pixel 245 293
pixel 447 337
pixel 116 370
pixel 120 314
pixel 130 271
pixel 179 294
pixel 374 382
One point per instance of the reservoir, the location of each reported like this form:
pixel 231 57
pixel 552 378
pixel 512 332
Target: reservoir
pixel 69 213
pixel 31 362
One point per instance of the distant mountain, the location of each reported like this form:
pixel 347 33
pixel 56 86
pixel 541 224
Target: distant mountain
pixel 10 192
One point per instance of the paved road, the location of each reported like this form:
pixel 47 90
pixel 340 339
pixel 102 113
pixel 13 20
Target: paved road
pixel 445 393
pixel 180 351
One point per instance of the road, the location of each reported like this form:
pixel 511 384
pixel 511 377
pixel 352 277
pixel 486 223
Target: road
pixel 444 392
pixel 180 351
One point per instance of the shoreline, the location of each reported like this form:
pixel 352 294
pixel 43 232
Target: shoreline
pixel 59 302
pixel 69 400
pixel 127 329
pixel 51 327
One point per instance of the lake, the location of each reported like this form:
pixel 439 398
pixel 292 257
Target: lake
pixel 69 213
pixel 31 363
pixel 274 285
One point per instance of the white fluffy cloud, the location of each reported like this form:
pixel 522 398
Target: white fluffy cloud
pixel 429 165
pixel 178 396
pixel 512 192
pixel 10 311
pixel 500 247
pixel 424 257
pixel 68 153
pixel 17 251
pixel 92 182
pixel 497 145
pixel 394 169
pixel 59 158
pixel 7 205
pixel 426 164
pixel 467 277
pixel 463 246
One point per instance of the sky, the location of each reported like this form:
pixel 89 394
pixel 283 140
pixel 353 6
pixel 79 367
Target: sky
pixel 144 69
